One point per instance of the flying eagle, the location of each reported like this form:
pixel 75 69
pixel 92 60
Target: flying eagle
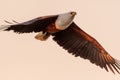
pixel 69 36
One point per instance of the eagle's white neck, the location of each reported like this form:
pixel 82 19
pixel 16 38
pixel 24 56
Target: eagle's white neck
pixel 64 20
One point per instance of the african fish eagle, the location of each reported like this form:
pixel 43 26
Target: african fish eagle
pixel 69 36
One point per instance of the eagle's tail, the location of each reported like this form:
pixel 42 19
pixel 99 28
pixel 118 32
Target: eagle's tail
pixel 42 36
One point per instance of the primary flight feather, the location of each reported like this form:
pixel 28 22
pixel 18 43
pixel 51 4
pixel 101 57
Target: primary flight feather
pixel 69 36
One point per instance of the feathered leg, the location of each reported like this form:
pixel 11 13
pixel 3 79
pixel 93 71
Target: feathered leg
pixel 42 36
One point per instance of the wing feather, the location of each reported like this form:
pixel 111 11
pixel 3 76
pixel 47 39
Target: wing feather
pixel 34 25
pixel 79 43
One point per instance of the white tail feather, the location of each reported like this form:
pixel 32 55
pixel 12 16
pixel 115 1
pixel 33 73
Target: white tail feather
pixel 3 27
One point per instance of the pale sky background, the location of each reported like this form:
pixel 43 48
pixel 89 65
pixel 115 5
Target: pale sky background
pixel 24 58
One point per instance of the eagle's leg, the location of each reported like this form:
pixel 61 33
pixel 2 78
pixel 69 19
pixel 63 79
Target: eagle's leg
pixel 42 36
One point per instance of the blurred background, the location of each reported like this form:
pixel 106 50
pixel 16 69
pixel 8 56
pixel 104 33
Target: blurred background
pixel 22 57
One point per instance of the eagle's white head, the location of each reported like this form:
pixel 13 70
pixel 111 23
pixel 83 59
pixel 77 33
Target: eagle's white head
pixel 64 20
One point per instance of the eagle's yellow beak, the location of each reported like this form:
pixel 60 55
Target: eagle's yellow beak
pixel 73 13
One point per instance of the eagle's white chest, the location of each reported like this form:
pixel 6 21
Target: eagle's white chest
pixel 63 21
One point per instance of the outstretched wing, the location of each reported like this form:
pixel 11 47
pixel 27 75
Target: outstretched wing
pixel 79 43
pixel 34 25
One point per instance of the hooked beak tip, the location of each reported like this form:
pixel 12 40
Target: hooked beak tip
pixel 73 13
